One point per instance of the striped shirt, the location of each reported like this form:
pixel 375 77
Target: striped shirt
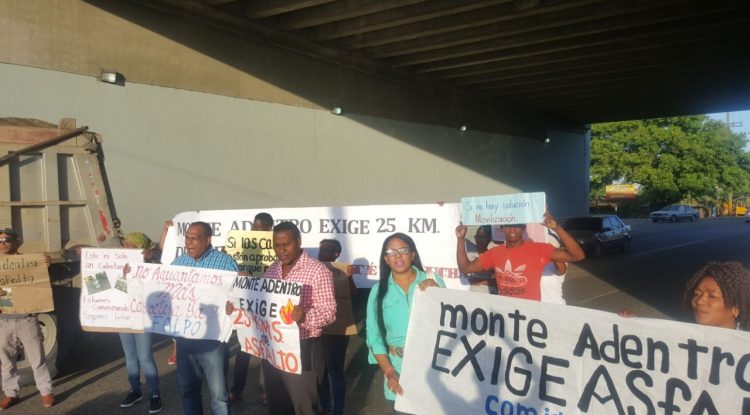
pixel 317 293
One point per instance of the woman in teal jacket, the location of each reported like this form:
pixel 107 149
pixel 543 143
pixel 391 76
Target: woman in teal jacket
pixel 389 306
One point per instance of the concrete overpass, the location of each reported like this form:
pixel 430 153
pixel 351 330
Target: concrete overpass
pixel 227 104
pixel 581 61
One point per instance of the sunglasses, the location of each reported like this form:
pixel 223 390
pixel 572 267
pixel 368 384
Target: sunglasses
pixel 399 251
pixel 7 240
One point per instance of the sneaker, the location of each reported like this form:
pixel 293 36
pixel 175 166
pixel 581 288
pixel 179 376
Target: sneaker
pixel 155 406
pixel 131 399
pixel 8 401
pixel 171 360
pixel 48 400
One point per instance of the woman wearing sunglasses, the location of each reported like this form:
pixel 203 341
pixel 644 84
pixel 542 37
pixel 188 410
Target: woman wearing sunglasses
pixel 389 306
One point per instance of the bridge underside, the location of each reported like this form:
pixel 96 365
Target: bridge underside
pixel 580 61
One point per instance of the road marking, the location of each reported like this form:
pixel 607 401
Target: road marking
pixel 667 248
pixel 615 291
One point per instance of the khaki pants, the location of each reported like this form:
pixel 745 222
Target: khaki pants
pixel 24 330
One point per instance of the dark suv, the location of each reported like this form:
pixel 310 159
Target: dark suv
pixel 598 233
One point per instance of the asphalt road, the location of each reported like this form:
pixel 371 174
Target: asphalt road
pixel 649 280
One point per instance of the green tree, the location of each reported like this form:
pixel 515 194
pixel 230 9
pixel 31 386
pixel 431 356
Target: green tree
pixel 692 157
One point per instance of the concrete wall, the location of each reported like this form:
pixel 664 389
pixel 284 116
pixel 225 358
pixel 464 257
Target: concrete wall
pixel 152 47
pixel 263 135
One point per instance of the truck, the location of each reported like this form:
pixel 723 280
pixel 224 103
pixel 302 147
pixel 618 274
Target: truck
pixel 54 192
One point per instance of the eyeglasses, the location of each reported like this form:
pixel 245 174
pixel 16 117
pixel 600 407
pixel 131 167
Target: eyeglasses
pixel 398 251
pixel 6 240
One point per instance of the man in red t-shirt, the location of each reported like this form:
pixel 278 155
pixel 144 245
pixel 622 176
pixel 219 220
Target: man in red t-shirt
pixel 518 264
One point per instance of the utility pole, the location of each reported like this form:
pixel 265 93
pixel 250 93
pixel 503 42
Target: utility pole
pixel 732 124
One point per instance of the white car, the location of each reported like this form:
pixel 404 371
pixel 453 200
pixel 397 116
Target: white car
pixel 674 213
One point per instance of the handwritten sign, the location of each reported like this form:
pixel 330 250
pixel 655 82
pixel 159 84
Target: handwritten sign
pixel 264 320
pixel 503 209
pixel 181 301
pixel 25 280
pixel 471 353
pixel 252 250
pixel 105 305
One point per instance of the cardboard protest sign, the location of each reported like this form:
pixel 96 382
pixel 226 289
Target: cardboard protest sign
pixel 25 280
pixel 181 301
pixel 478 353
pixel 503 209
pixel 252 250
pixel 360 230
pixel 263 320
pixel 105 305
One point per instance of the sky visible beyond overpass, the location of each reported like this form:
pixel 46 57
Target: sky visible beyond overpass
pixel 741 118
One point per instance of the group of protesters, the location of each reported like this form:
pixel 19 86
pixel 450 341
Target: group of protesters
pixel 322 354
pixel 718 295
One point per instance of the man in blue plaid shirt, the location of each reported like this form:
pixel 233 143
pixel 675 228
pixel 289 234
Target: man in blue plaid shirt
pixel 198 358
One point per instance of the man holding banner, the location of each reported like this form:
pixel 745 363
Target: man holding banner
pixel 262 222
pixel 20 328
pixel 290 393
pixel 518 264
pixel 199 357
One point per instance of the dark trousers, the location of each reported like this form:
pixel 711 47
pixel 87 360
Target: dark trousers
pixel 239 377
pixel 334 382
pixel 293 394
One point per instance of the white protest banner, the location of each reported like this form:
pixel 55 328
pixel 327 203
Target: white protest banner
pixel 105 305
pixel 263 320
pixel 478 353
pixel 360 230
pixel 503 209
pixel 182 301
pixel 252 250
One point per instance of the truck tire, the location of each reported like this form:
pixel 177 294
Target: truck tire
pixel 48 323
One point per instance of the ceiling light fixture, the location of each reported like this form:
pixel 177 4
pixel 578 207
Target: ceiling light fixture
pixel 112 77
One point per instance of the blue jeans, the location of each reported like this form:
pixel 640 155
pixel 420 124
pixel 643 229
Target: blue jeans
pixel 334 350
pixel 137 348
pixel 193 363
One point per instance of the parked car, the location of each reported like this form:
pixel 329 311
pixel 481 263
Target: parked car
pixel 747 217
pixel 673 213
pixel 598 233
